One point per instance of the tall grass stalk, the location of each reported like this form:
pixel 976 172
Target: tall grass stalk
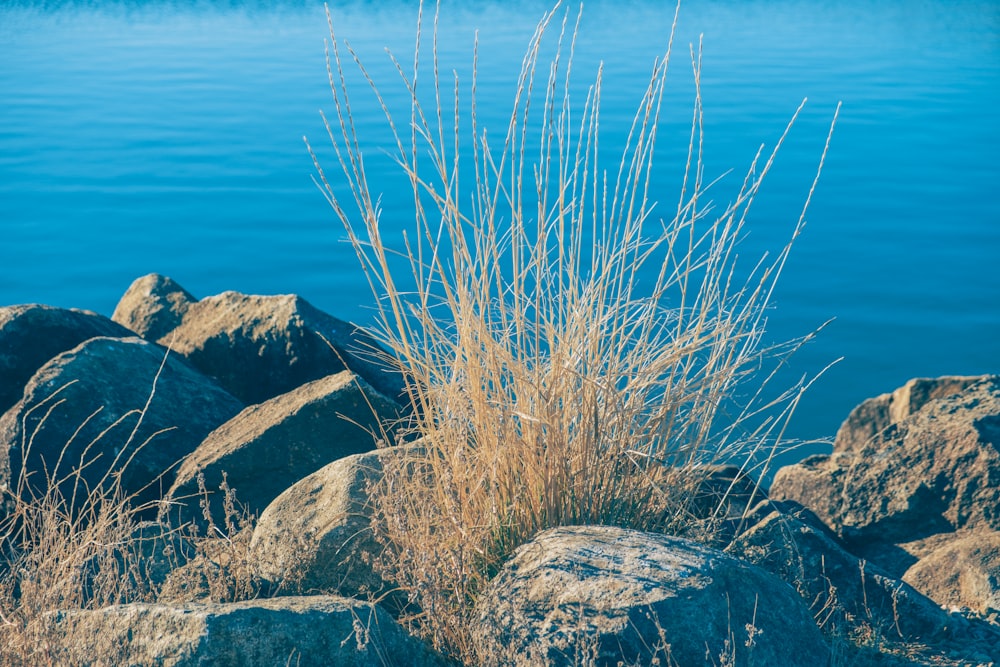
pixel 571 357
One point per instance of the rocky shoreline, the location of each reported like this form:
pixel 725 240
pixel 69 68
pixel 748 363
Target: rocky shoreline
pixel 886 551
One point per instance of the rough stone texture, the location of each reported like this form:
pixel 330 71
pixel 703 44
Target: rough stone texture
pixel 609 594
pixel 158 550
pixel 848 595
pixel 725 491
pixel 152 306
pixel 875 415
pixel 268 447
pixel 720 498
pixel 30 335
pixel 201 580
pixel 95 394
pixel 318 630
pixel 935 471
pixel 146 559
pixel 258 347
pixel 898 557
pixel 964 571
pixel 317 535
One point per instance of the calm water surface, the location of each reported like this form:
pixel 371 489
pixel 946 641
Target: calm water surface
pixel 167 136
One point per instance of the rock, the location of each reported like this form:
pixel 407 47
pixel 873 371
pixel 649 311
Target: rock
pixel 220 572
pixel 144 559
pixel 875 415
pixel 153 306
pixel 199 580
pixel 317 535
pixel 318 630
pixel 935 471
pixel 268 447
pixel 897 558
pixel 607 594
pixel 964 571
pixel 86 405
pixel 31 335
pixel 721 495
pixel 158 550
pixel 847 595
pixel 258 347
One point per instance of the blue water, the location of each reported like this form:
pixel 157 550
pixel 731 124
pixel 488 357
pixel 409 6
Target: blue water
pixel 166 136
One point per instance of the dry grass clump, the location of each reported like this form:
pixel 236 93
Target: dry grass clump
pixel 90 548
pixel 64 544
pixel 54 558
pixel 572 356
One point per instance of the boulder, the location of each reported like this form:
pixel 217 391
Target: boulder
pixel 141 562
pixel 200 579
pixel 874 415
pixel 318 630
pixel 963 571
pixel 268 447
pixel 30 335
pixel 110 405
pixel 935 471
pixel 317 535
pixel 602 595
pixel 153 306
pixel 157 550
pixel 221 571
pixel 718 500
pixel 847 595
pixel 258 347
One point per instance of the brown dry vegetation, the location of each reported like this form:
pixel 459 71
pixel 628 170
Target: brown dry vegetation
pixel 94 549
pixel 552 382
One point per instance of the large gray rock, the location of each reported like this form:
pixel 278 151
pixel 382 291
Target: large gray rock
pixel 937 470
pixel 221 570
pixel 963 571
pixel 607 595
pixel 319 630
pixel 318 535
pixel 110 404
pixel 153 306
pixel 268 447
pixel 874 415
pixel 30 335
pixel 258 347
pixel 849 596
pixel 141 562
pixel 719 496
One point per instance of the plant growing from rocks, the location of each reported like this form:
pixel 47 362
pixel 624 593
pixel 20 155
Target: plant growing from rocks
pixel 572 351
pixel 60 551
pixel 86 550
